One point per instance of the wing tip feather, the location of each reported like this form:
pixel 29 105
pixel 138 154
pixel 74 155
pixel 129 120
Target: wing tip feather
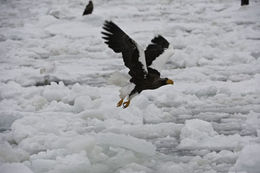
pixel 160 40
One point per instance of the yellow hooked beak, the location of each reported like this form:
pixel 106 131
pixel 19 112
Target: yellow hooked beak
pixel 169 81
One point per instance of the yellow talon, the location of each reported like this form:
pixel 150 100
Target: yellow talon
pixel 120 103
pixel 126 104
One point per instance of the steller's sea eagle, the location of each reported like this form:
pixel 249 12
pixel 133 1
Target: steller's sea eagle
pixel 143 64
pixel 89 8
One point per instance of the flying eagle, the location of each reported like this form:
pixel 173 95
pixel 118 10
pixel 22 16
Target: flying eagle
pixel 89 8
pixel 143 64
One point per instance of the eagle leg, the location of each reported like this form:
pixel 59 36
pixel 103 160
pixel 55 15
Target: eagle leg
pixel 120 102
pixel 126 104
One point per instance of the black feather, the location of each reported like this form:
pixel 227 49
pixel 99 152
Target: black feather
pixel 89 8
pixel 120 42
pixel 155 49
pixel 160 40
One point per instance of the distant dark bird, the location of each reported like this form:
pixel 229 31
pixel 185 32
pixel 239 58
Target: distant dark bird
pixel 89 8
pixel 143 64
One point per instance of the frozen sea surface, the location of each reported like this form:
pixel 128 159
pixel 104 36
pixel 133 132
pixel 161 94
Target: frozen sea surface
pixel 59 87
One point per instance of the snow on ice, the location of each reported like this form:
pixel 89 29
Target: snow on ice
pixel 59 85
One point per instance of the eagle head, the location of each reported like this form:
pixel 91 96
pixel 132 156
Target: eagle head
pixel 168 81
pixel 162 82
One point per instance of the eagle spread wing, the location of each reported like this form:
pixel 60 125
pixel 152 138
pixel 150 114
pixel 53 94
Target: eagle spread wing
pixel 157 53
pixel 133 55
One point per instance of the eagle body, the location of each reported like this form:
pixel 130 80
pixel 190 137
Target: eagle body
pixel 132 89
pixel 144 65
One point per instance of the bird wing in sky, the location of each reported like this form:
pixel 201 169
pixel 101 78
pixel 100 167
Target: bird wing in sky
pixel 157 53
pixel 89 8
pixel 133 54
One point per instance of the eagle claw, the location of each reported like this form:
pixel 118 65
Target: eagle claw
pixel 126 104
pixel 120 103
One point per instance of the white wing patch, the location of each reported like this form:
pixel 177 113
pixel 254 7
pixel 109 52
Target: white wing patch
pixel 161 60
pixel 142 57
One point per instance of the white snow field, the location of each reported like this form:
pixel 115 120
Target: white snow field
pixel 59 86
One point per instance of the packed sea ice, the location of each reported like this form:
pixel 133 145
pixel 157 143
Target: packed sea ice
pixel 59 85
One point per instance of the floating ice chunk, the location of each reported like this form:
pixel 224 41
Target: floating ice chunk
pixel 39 102
pixel 248 160
pixel 82 143
pixel 198 134
pixel 99 114
pixel 121 158
pixel 197 130
pixel 133 117
pixel 85 102
pixel 67 163
pixel 55 91
pixel 42 165
pixel 10 90
pixel 134 168
pixel 252 123
pixel 207 92
pixel 49 68
pixel 223 156
pixel 168 167
pixel 21 128
pixel 14 168
pixel 79 90
pixel 38 143
pixel 58 106
pixel 149 130
pixel 152 114
pixel 82 103
pixel 77 162
pixel 9 154
pixel 7 118
pixel 128 142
